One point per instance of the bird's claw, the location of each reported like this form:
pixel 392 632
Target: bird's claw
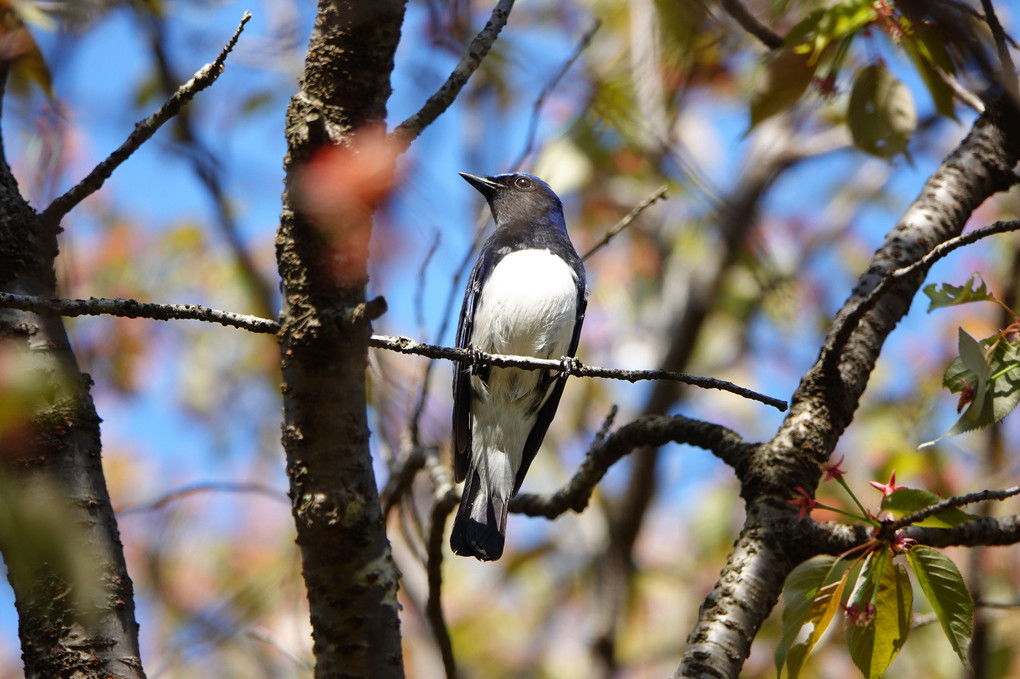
pixel 570 365
pixel 476 359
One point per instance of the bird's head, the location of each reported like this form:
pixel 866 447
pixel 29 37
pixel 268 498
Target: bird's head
pixel 519 197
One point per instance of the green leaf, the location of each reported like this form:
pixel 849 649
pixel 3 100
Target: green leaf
pixel 943 585
pixel 927 51
pixel 782 80
pixel 881 113
pixel 990 380
pixel 906 501
pixel 974 290
pixel 874 644
pixel 812 593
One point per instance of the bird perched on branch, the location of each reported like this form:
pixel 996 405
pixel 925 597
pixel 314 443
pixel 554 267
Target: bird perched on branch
pixel 526 296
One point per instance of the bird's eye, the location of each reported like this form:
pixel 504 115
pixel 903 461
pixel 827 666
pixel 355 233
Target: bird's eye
pixel 524 184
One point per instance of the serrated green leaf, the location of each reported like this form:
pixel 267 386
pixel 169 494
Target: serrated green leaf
pixel 947 593
pixel 875 644
pixel 812 593
pixel 881 113
pixel 781 81
pixel 946 295
pixel 906 501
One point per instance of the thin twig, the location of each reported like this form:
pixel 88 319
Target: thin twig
pixel 407 345
pixel 133 309
pixel 536 108
pixel 408 131
pixel 949 503
pixel 129 308
pixel 205 77
pixel 211 487
pixel 751 24
pixel 961 92
pixel 659 194
pixel 848 323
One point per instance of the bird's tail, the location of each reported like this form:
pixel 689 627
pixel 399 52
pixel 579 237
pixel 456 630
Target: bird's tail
pixel 479 529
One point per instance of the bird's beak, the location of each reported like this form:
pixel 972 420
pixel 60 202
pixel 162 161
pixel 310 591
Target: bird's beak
pixel 485 186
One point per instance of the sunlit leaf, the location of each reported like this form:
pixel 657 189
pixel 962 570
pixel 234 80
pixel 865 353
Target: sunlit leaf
pixel 881 113
pixel 947 593
pixel 874 644
pixel 812 593
pixel 906 501
pixel 946 295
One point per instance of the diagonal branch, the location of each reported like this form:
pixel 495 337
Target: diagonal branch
pixel 845 325
pixel 751 24
pixel 536 108
pixel 407 131
pixel 143 131
pixel 659 194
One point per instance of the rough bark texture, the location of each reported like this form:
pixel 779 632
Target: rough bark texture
pixel 69 627
pixel 824 404
pixel 350 575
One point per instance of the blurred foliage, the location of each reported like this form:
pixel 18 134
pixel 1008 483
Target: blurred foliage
pixel 666 93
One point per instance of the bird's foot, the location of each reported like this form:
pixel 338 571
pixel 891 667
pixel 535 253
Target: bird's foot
pixel 477 367
pixel 570 365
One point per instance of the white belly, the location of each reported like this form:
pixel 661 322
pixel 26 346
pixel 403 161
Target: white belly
pixel 527 307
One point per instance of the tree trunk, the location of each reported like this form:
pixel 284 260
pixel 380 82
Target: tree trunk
pixel 349 572
pixel 58 532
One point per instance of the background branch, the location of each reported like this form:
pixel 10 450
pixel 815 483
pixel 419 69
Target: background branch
pixel 407 131
pixel 144 130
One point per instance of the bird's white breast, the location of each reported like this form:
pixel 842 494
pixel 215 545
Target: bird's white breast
pixel 527 306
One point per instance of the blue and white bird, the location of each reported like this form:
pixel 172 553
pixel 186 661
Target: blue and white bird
pixel 526 296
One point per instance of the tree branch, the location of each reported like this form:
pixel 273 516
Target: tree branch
pixel 130 308
pixel 958 501
pixel 659 194
pixel 407 131
pixel 751 24
pixel 143 131
pixel 845 325
pixel 582 45
pixel 651 430
pixel 829 393
pixel 446 497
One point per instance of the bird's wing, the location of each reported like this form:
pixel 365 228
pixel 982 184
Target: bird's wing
pixel 548 410
pixel 462 369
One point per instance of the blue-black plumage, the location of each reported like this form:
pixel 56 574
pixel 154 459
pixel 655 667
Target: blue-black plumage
pixel 526 296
